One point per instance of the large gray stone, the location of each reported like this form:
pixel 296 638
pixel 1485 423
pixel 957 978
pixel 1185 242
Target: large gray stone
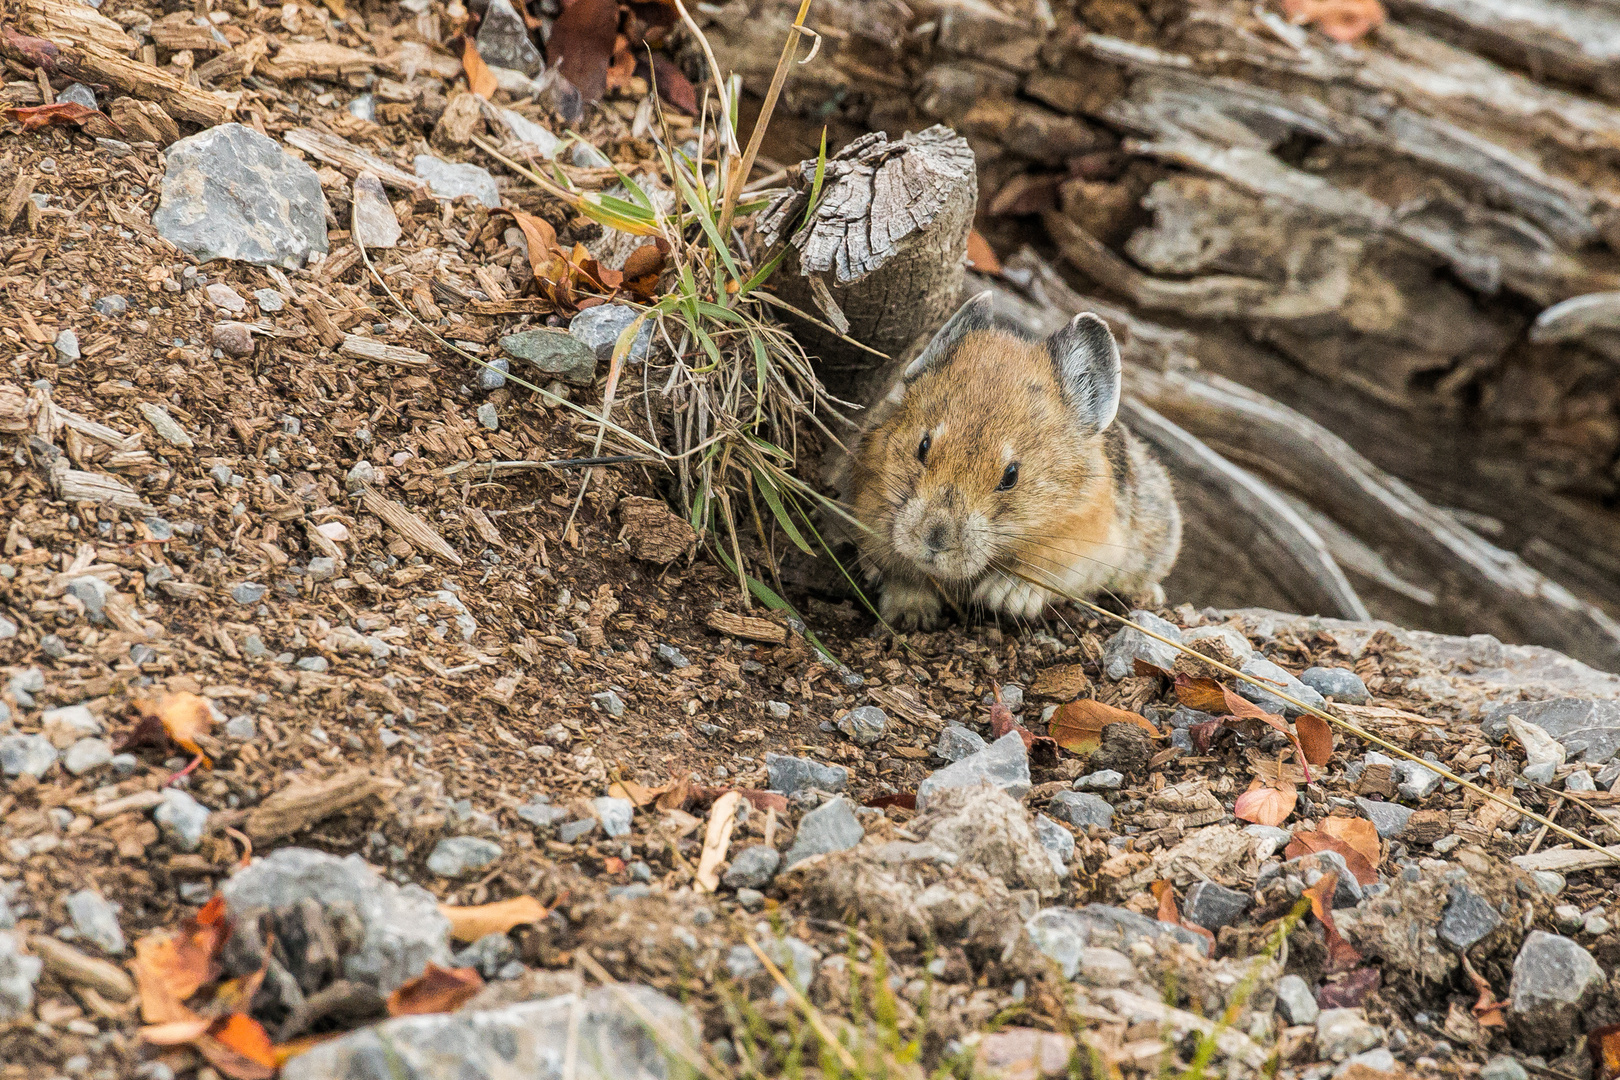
pixel 1213 906
pixel 1553 981
pixel 1589 730
pixel 864 725
pixel 957 742
pixel 1390 819
pixel 608 1036
pixel 374 222
pixel 403 929
pixel 231 193
pixel 829 827
pixel 791 775
pixel 555 352
pixel 1295 1000
pixel 753 867
pixel 1081 809
pixel 503 40
pixel 30 754
pixel 1467 918
pixel 455 179
pixel 1270 674
pixel 1130 645
pixel 1004 763
pixel 1340 684
pixel 600 327
pixel 1063 934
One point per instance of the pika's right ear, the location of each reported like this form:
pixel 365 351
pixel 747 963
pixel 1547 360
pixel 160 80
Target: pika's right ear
pixel 971 316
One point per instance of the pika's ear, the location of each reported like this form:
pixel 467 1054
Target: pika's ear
pixel 1088 368
pixel 971 316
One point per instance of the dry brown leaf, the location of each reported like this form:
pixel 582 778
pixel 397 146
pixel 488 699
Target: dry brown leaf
pixel 480 80
pixel 1359 833
pixel 1202 693
pixel 238 1046
pixel 169 968
pixel 1311 841
pixel 581 45
pixel 1165 891
pixel 184 717
pixel 980 255
pixel 636 794
pixel 1078 726
pixel 1341 954
pixel 1265 804
pixel 717 841
pixel 1488 1012
pixel 1342 20
pixel 1315 738
pixel 472 923
pixel 436 990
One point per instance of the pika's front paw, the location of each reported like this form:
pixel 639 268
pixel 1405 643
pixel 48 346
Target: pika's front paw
pixel 1012 596
pixel 909 607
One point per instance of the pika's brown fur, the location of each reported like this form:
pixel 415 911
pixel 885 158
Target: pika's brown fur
pixel 997 460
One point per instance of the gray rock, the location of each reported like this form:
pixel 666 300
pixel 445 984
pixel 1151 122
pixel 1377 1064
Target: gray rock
pixel 1101 780
pixel 599 327
pixel 1388 818
pixel 96 921
pixel 1213 906
pixel 1595 925
pixel 503 40
pixel 1541 773
pixel 241 728
pixel 493 375
pixel 1417 781
pixel 322 568
pixel 32 755
pixel 374 222
pixel 753 867
pixel 70 722
pixel 8 629
pixel 78 94
pixel 1340 684
pixel 1058 841
pixel 462 856
pixel 92 592
pixel 587 156
pixel 555 352
pixel 164 424
pixel 671 656
pixel 985 828
pixel 1343 1033
pixel 1467 918
pixel 269 300
pixel 110 305
pixel 8 919
pixel 401 927
pixel 25 684
pixel 1295 1001
pixel 487 955
pixel 364 107
pixel 1380 1059
pixel 832 826
pixel 1548 881
pixel 233 338
pixel 18 974
pixel 1130 645
pixel 1064 934
pixel 615 815
pixel 574 830
pixel 1260 668
pixel 231 193
pixel 87 754
pixel 488 417
pixel 453 180
pixel 1081 809
pixel 791 775
pixel 182 819
pixel 1502 1067
pixel 542 815
pixel 1004 764
pixel 1554 979
pixel 609 702
pixel 249 593
pixel 1579 780
pixel 1589 730
pixel 360 474
pixel 957 742
pixel 66 346
pixel 865 725
pixel 609 1039
pixel 313 663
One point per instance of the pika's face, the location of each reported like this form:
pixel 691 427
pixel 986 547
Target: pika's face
pixel 977 461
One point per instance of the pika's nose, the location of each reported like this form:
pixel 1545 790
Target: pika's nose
pixel 937 538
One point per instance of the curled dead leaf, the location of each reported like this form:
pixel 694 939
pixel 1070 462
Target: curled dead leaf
pixel 184 717
pixel 1341 954
pixel 1315 738
pixel 171 967
pixel 1358 833
pixel 472 923
pixel 1309 842
pixel 1078 726
pixel 436 990
pixel 1265 804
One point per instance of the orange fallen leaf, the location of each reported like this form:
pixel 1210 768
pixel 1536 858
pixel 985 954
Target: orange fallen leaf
pixel 612 864
pixel 1488 1011
pixel 1312 841
pixel 184 717
pixel 1359 833
pixel 1315 738
pixel 623 65
pixel 480 80
pixel 285 1052
pixel 60 114
pixel 1078 726
pixel 1604 1045
pixel 1201 693
pixel 472 923
pixel 1342 20
pixel 245 1036
pixel 1265 804
pixel 1165 891
pixel 169 968
pixel 1341 954
pixel 436 990
pixel 980 255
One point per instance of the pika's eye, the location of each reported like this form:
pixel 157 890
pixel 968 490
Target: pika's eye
pixel 1009 477
pixel 922 447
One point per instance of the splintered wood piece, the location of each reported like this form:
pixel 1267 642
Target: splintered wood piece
pixel 17 198
pixel 654 532
pixel 484 527
pixel 364 348
pixel 301 804
pixel 76 485
pixel 74 23
pixel 747 627
pixel 16 408
pixel 413 529
pixel 92 62
pixel 350 160
pixel 320 320
pixel 72 966
pixel 316 60
pixel 144 120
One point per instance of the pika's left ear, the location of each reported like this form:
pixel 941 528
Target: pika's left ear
pixel 1088 368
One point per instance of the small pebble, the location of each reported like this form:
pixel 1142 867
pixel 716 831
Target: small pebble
pixel 110 305
pixel 66 346
pixel 249 593
pixel 493 377
pixel 489 417
pixel 269 300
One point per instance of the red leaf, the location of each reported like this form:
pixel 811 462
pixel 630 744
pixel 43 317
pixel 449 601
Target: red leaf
pixel 436 990
pixel 37 51
pixel 673 85
pixel 581 45
pixel 1315 738
pixel 61 114
pixel 1352 990
pixel 1341 954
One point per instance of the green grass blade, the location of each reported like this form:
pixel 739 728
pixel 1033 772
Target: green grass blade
pixel 767 490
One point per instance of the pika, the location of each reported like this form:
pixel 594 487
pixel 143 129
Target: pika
pixel 995 475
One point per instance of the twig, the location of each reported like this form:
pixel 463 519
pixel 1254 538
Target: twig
pixel 1541 833
pixel 740 170
pixel 714 71
pixel 811 1013
pixel 504 468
